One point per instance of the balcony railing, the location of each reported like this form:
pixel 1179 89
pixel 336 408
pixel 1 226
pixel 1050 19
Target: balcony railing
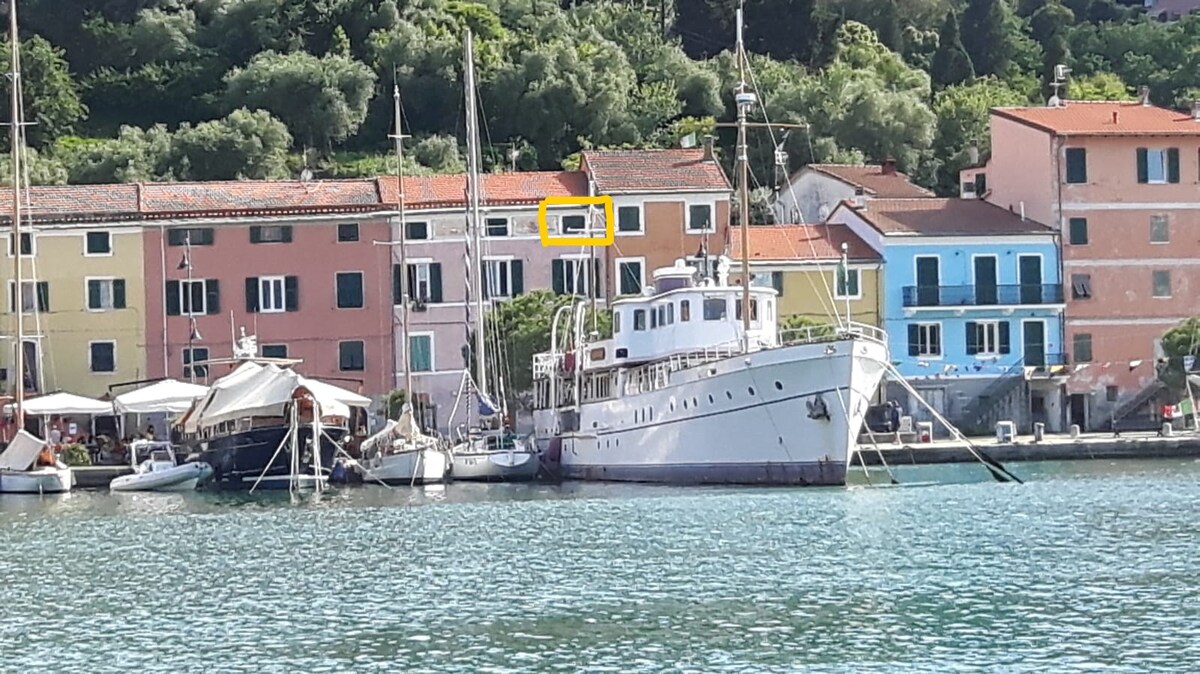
pixel 982 296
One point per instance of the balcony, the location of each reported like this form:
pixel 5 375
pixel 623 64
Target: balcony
pixel 983 296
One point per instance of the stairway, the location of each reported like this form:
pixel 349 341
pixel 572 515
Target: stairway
pixel 980 415
pixel 1135 402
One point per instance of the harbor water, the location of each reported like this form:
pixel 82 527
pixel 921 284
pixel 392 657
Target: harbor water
pixel 1089 566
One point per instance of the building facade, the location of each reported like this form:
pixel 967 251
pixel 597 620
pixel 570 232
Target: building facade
pixel 812 193
pixel 1119 181
pixel 972 304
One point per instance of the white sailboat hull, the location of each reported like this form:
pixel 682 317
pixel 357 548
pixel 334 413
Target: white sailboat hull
pixel 184 477
pixel 501 465
pixel 414 466
pixel 747 419
pixel 44 480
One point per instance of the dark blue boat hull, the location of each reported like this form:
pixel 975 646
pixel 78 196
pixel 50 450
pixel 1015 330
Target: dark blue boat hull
pixel 239 459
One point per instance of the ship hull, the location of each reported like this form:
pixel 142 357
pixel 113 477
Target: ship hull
pixel 783 416
pixel 240 459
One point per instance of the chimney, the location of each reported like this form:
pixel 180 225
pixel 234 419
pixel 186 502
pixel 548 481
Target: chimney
pixel 888 167
pixel 1022 211
pixel 1144 95
pixel 1196 110
pixel 860 198
pixel 973 155
pixel 1116 118
pixel 709 150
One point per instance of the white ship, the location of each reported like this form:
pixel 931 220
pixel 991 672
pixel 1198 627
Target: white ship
pixel 675 397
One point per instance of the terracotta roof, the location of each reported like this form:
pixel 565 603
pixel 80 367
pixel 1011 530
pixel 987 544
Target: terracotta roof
pixel 449 191
pixel 1104 118
pixel 257 196
pixel 873 180
pixel 1173 8
pixel 633 171
pixel 944 217
pixel 74 202
pixel 800 242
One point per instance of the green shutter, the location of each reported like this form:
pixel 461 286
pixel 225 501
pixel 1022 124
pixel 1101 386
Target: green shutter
pixel 93 294
pixel 914 338
pixel 972 338
pixel 206 236
pixel 175 237
pixel 435 283
pixel 777 282
pixel 291 293
pixel 596 278
pixel 43 295
pixel 518 277
pixel 1076 165
pixel 172 292
pixel 1173 165
pixel 1078 231
pixel 286 233
pixel 1143 166
pixel 255 234
pixel 1005 345
pixel 487 280
pixel 252 295
pixel 398 285
pixel 558 276
pixel 118 293
pixel 212 296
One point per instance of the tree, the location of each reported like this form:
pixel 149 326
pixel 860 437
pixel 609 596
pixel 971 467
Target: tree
pixel 951 64
pixel 990 27
pixel 42 169
pixel 135 155
pixel 321 99
pixel 1181 340
pixel 1098 87
pixel 242 145
pixel 51 96
pixel 962 124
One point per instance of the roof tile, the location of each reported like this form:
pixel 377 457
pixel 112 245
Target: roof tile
pixel 944 217
pixel 800 242
pixel 257 195
pixel 74 202
pixel 873 179
pixel 633 171
pixel 1104 118
pixel 449 191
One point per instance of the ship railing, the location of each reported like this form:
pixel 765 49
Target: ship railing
pixel 546 364
pixel 824 333
pixel 682 361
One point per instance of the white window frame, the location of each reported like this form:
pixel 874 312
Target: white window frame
pixel 91 365
pixel 687 217
pixel 338 352
pixel 991 334
pixel 280 297
pixel 337 232
pixel 87 294
pixel 185 292
pixel 500 262
pixel 507 227
pixel 572 263
pixel 262 233
pixel 31 294
pixel 432 352
pixel 584 231
pixel 184 353
pixel 428 229
pixel 422 273
pixel 1166 224
pixel 1161 154
pixel 641 261
pixel 14 248
pixel 98 231
pixel 941 342
pixel 641 209
pixel 858 282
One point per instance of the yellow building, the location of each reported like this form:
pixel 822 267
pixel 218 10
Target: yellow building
pixel 802 263
pixel 84 300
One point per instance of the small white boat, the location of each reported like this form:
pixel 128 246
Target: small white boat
pixel 495 456
pixel 401 455
pixel 160 472
pixel 19 475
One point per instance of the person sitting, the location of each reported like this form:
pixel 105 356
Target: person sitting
pixel 150 432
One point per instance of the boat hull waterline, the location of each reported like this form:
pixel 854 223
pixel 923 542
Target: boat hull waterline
pixel 782 416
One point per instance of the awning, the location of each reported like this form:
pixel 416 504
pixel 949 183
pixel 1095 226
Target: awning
pixel 63 404
pixel 169 395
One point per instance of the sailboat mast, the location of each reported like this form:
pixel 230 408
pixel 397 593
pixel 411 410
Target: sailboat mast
pixel 473 197
pixel 15 239
pixel 404 289
pixel 744 100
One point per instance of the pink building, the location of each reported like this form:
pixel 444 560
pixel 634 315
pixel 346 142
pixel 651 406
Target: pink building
pixel 1119 180
pixel 292 262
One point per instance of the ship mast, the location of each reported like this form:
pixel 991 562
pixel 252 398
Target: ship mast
pixel 15 233
pixel 404 289
pixel 473 201
pixel 744 100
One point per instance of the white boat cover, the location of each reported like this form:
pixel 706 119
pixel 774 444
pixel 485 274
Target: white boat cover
pixel 21 452
pixel 403 429
pixel 63 403
pixel 263 390
pixel 169 395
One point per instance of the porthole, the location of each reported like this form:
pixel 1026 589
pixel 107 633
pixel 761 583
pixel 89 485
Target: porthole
pixel 778 386
pixel 750 390
pixel 672 405
pixel 729 395
pixel 695 403
pixel 711 399
pixel 685 403
pixel 595 424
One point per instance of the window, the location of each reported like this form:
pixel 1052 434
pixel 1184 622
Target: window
pixel 98 243
pixel 193 298
pixel 1157 166
pixel 847 285
pixel 424 282
pixel 36 294
pixel 420 353
pixel 26 244
pixel 274 351
pixel 572 224
pixel 925 339
pixel 639 319
pixel 190 236
pixel 1159 231
pixel 715 309
pixel 1076 165
pixel 616 322
pixel 417 231
pixel 270 234
pixel 1081 286
pixel 272 294
pixel 630 276
pixel 503 278
pixel 495 227
pixel 700 218
pixel 980 183
pixel 1112 393
pixel 350 290
pixel 1162 283
pixel 685 311
pixel 197 354
pixel 105 294
pixel 988 338
pixel 102 356
pixel 629 219
pixel 348 232
pixel 1082 347
pixel 1077 231
pixel 575 276
pixel 351 357
pixel 737 310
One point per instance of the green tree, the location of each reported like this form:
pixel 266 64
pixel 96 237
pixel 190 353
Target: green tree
pixel 990 27
pixel 51 96
pixel 1181 340
pixel 321 99
pixel 951 64
pixel 42 169
pixel 242 145
pixel 962 124
pixel 135 155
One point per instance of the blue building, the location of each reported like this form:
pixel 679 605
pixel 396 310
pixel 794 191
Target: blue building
pixel 973 306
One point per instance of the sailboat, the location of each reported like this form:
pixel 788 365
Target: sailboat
pixel 27 464
pixel 488 451
pixel 401 453
pixel 698 386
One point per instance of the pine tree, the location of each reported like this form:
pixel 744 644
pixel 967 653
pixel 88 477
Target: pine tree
pixel 887 26
pixel 951 64
pixel 990 28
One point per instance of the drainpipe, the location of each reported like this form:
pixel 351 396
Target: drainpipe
pixel 1065 402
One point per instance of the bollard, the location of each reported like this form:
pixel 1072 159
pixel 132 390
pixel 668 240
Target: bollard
pixel 1039 431
pixel 1074 430
pixel 1167 429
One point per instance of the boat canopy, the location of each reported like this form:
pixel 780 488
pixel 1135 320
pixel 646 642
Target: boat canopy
pixel 169 395
pixel 62 403
pixel 21 452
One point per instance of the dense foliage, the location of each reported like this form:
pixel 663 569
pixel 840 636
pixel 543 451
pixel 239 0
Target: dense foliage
pixel 205 89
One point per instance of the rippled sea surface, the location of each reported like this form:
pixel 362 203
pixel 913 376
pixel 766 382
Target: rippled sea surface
pixel 1089 566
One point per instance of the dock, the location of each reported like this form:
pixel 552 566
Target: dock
pixel 1133 445
pixel 97 477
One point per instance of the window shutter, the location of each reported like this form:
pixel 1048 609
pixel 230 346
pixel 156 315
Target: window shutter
pixel 1173 165
pixel 43 295
pixel 397 285
pixel 777 282
pixel 252 295
pixel 291 293
pixel 435 282
pixel 972 338
pixel 174 237
pixel 595 281
pixel 255 234
pixel 487 280
pixel 558 281
pixel 172 291
pixel 212 296
pixel 914 336
pixel 518 277
pixel 93 294
pixel 1143 166
pixel 1005 346
pixel 118 291
pixel 206 236
pixel 286 233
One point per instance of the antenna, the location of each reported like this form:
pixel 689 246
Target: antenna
pixel 1060 80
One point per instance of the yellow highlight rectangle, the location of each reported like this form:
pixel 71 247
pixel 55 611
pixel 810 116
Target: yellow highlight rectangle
pixel 609 224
